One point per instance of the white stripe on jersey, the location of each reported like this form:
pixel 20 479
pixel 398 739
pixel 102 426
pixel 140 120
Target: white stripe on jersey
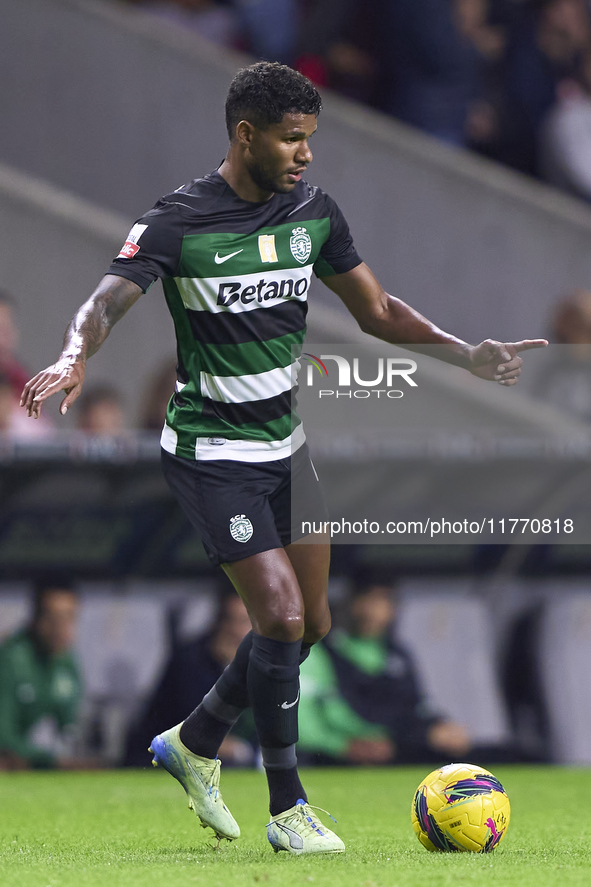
pixel 253 387
pixel 211 448
pixel 244 292
pixel 250 450
pixel 169 439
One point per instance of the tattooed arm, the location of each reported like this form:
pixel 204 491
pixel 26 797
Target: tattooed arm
pixel 84 336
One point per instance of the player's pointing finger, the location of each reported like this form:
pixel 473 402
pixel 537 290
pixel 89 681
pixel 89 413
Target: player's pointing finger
pixel 528 344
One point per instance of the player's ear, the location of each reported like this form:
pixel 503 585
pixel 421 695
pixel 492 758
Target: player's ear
pixel 244 133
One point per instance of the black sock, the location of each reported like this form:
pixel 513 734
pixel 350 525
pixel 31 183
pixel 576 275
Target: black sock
pixel 203 734
pixel 285 790
pixel 274 689
pixel 205 729
pixel 305 651
pixel 231 686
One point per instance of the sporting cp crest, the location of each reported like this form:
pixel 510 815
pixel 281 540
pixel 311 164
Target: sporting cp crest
pixel 300 245
pixel 240 528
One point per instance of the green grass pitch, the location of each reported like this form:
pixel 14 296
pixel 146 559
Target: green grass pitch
pixel 132 829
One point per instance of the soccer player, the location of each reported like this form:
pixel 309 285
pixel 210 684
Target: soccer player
pixel 235 251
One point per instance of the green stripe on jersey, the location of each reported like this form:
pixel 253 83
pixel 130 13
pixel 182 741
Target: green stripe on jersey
pixel 274 248
pixel 322 268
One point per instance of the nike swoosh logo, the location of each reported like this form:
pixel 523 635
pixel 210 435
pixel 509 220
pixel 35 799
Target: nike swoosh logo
pixel 290 704
pixel 219 259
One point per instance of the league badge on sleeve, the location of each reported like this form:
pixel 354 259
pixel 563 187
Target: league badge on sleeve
pixel 300 245
pixel 130 247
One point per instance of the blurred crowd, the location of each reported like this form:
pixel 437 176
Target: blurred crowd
pixel 510 79
pixel 363 700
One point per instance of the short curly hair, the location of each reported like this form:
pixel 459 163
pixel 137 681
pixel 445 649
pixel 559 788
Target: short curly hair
pixel 262 93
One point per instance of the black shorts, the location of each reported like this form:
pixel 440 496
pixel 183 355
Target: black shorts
pixel 242 508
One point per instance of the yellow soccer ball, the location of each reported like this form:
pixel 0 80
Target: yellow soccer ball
pixel 460 807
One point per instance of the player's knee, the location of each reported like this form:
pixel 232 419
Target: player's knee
pixel 316 629
pixel 282 626
pixel 281 615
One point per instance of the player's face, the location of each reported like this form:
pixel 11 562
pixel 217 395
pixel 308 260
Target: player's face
pixel 278 156
pixel 56 623
pixel 373 612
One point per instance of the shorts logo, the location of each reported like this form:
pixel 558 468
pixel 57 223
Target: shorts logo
pixel 130 247
pixel 241 529
pixel 300 245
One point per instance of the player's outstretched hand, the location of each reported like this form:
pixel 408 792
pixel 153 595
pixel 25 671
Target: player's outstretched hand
pixel 498 361
pixel 65 375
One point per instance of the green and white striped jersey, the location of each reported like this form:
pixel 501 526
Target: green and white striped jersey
pixel 236 277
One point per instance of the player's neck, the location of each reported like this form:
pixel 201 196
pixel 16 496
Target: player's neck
pixel 240 181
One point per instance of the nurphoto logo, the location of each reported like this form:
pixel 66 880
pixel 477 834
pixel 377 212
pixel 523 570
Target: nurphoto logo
pixel 389 371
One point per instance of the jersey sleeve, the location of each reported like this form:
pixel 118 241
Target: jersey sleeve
pixel 153 247
pixel 338 253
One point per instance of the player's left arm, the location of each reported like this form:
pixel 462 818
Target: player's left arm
pixel 84 335
pixel 386 317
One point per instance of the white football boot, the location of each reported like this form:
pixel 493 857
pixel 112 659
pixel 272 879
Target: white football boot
pixel 299 830
pixel 200 778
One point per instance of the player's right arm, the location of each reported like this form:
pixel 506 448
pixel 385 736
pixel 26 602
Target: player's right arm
pixel 85 334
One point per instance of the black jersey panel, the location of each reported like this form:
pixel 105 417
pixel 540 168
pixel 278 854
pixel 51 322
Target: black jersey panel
pixel 210 205
pixel 226 328
pixel 256 411
pixel 338 253
pixel 153 246
pixel 130 274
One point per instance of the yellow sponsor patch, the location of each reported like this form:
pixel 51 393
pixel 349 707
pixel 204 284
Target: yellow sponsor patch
pixel 267 248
